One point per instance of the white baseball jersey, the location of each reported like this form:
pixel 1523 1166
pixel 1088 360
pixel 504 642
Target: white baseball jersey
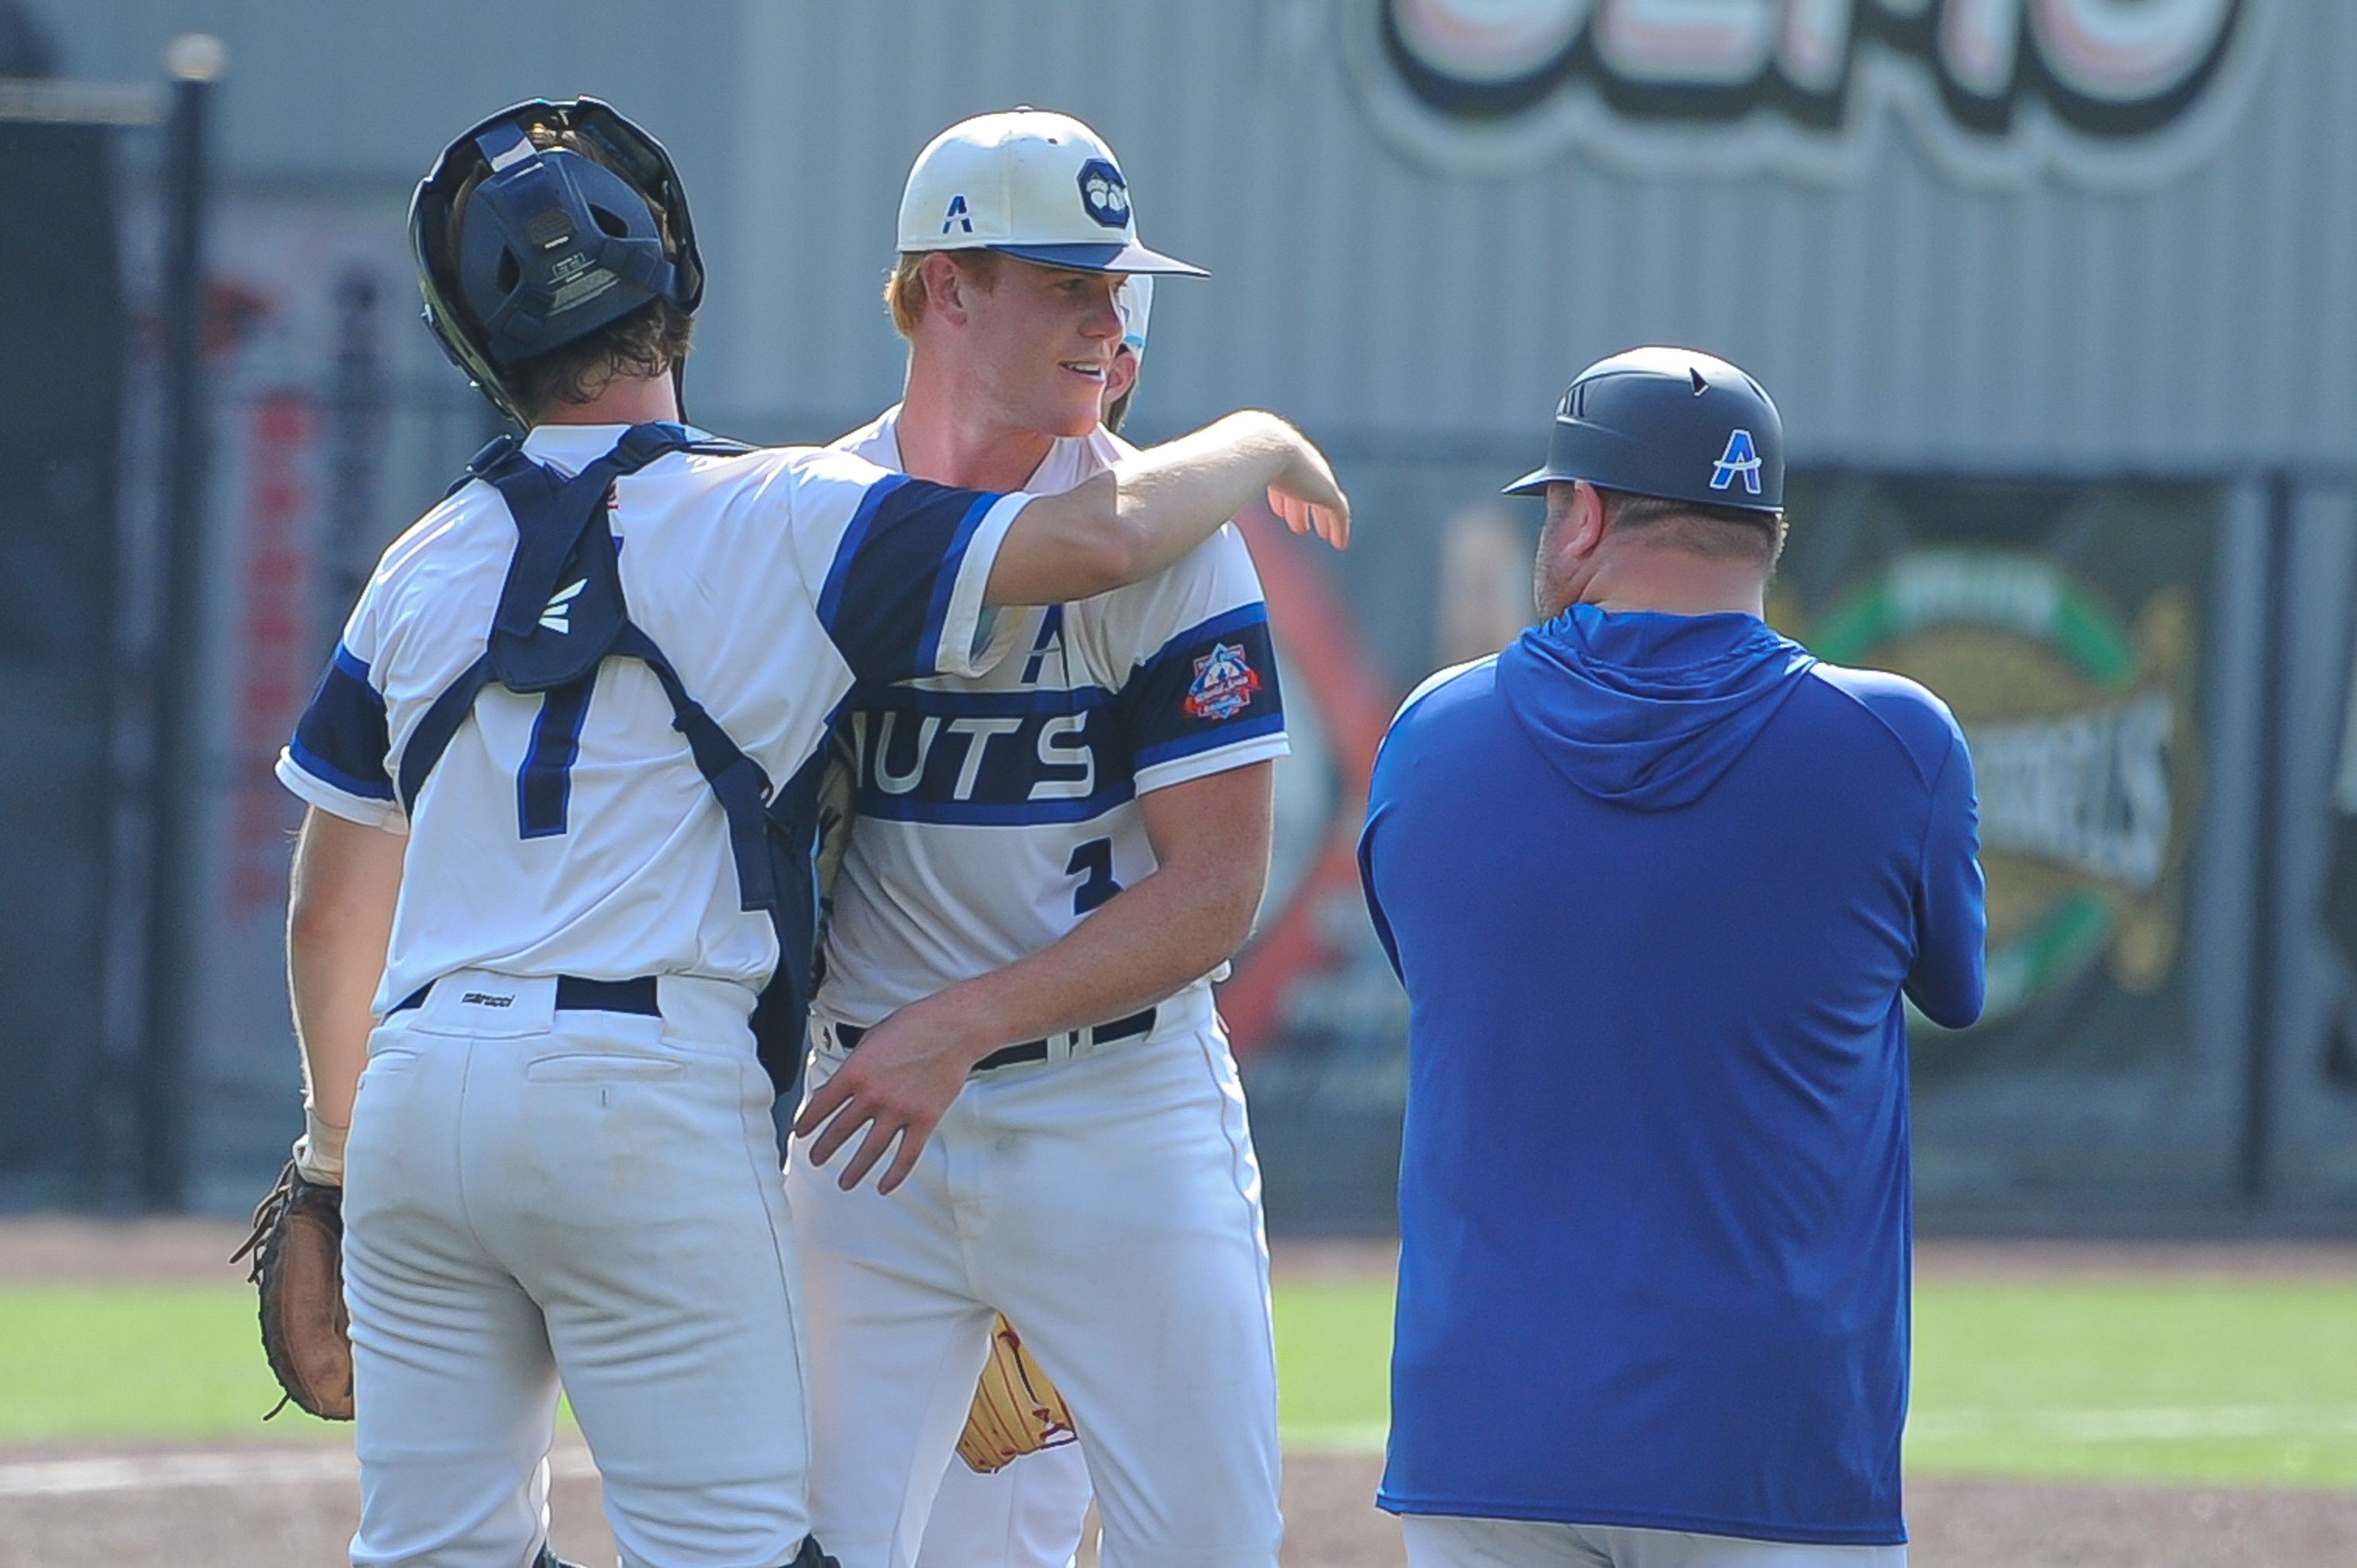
pixel 998 808
pixel 563 837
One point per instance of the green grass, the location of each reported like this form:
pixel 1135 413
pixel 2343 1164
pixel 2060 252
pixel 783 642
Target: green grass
pixel 2250 1383
pixel 2183 1379
pixel 1333 1359
pixel 87 1363
pixel 2161 1379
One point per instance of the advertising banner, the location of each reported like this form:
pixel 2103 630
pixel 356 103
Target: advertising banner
pixel 328 435
pixel 2068 627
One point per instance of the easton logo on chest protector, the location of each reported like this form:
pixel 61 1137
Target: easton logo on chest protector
pixel 1224 684
pixel 558 617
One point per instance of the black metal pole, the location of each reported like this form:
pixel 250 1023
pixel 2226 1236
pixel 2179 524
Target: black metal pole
pixel 2257 1153
pixel 176 793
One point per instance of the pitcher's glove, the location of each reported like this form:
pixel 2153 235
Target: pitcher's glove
pixel 297 1248
pixel 1016 1411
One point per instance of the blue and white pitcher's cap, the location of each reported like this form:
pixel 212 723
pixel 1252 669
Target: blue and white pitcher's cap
pixel 1031 184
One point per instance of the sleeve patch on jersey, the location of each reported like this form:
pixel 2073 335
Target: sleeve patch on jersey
pixel 887 594
pixel 1215 684
pixel 341 739
pixel 1224 683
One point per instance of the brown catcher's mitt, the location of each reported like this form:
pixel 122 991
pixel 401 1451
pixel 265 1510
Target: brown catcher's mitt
pixel 1016 1411
pixel 298 1269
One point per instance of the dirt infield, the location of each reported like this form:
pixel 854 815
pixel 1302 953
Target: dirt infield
pixel 35 1248
pixel 296 1506
pixel 238 1508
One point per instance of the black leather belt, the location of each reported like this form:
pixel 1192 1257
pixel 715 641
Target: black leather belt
pixel 1029 1050
pixel 574 994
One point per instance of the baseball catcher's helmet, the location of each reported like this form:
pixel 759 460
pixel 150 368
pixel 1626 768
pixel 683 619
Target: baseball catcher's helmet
pixel 556 242
pixel 1671 423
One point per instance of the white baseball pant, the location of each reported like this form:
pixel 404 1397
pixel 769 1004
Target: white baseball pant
pixel 532 1194
pixel 1110 1206
pixel 1028 1515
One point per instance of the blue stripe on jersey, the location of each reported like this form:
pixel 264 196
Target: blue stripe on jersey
pixel 1213 685
pixel 846 549
pixel 888 592
pixel 341 739
pixel 1207 740
pixel 545 783
pixel 1253 614
pixel 990 705
pixel 995 814
pixel 945 581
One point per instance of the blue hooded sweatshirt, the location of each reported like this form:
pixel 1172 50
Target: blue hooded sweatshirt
pixel 1656 886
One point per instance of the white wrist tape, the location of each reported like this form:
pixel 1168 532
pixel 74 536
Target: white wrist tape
pixel 319 1152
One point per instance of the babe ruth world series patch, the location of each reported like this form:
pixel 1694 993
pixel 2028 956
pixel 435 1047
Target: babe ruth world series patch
pixel 1224 683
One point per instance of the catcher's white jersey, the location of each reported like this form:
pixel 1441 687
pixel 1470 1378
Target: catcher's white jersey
pixel 558 837
pixel 998 809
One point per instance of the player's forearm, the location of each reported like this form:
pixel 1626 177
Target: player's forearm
pixel 1211 840
pixel 1169 929
pixel 1144 514
pixel 347 880
pixel 1175 496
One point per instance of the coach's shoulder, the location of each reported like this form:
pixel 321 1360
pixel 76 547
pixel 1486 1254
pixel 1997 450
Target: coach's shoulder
pixel 1445 691
pixel 1906 710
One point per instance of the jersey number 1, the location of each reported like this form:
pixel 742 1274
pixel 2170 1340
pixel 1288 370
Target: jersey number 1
pixel 1093 859
pixel 545 782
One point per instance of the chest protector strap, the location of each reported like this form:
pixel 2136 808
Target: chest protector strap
pixel 561 615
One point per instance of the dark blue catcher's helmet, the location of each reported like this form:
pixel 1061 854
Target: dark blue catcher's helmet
pixel 1671 423
pixel 572 217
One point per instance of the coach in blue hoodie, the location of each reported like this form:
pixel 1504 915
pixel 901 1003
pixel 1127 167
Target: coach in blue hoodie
pixel 1659 884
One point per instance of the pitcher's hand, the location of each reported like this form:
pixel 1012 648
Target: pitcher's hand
pixel 899 1081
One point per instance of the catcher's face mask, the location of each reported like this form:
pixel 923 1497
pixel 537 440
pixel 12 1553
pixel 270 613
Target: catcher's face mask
pixel 524 244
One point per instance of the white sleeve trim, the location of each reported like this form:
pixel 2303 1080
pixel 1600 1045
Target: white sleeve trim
pixel 972 639
pixel 1216 759
pixel 313 791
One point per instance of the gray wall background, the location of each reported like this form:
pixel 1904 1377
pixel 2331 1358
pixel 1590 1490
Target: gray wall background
pixel 2199 322
pixel 1903 317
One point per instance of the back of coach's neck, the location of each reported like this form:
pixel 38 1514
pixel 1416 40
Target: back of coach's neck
pixel 1661 578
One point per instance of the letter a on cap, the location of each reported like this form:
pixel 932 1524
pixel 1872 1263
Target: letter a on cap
pixel 1738 458
pixel 958 214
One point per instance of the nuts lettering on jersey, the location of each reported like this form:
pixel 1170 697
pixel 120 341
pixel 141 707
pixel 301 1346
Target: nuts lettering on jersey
pixel 995 757
pixel 893 783
pixel 980 732
pixel 1062 743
